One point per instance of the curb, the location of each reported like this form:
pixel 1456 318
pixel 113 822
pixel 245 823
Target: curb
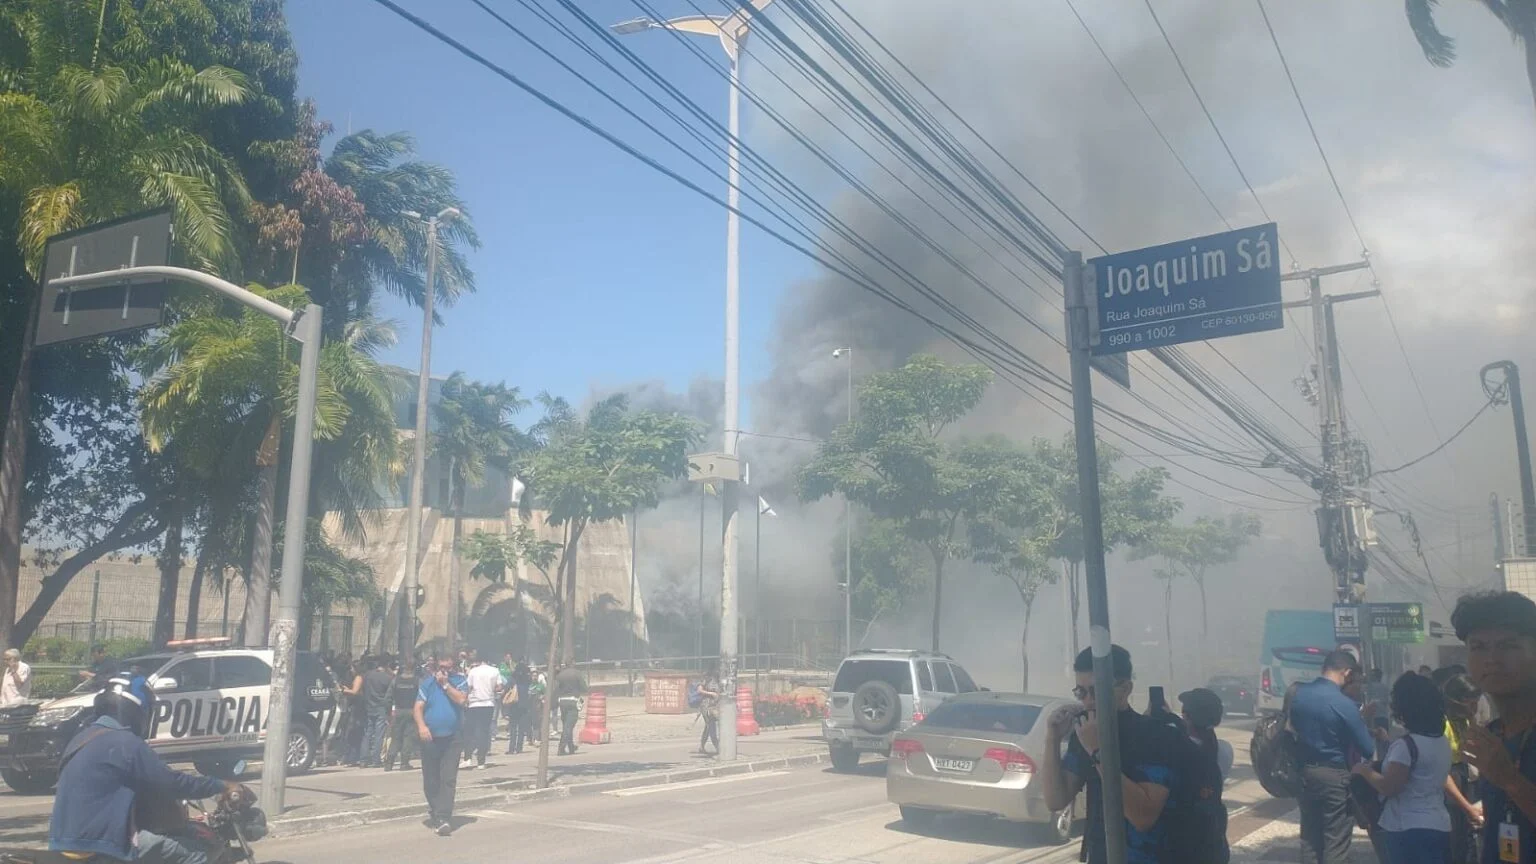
pixel 511 791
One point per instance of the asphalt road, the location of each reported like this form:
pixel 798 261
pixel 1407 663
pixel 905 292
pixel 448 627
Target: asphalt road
pixel 810 815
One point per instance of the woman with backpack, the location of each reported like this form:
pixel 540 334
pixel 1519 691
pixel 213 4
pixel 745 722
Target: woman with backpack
pixel 1415 826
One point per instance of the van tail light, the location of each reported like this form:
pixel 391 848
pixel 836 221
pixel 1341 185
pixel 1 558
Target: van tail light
pixel 902 748
pixel 1266 683
pixel 918 717
pixel 1013 761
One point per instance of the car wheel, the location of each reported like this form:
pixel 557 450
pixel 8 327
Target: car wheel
pixel 301 748
pixel 1058 831
pixel 876 707
pixel 844 757
pixel 918 819
pixel 24 783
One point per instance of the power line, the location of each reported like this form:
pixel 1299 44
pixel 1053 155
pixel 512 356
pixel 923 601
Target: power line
pixel 1443 444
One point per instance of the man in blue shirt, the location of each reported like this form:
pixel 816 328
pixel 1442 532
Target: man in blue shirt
pixel 1143 761
pixel 439 719
pixel 1499 629
pixel 110 781
pixel 1331 736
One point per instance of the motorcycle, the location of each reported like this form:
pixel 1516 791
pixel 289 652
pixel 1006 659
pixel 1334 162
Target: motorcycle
pixel 227 830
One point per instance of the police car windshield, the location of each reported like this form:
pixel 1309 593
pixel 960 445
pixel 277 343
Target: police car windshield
pixel 147 665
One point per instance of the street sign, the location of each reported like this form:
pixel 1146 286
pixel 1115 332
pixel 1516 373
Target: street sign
pixel 1189 291
pixel 1346 622
pixel 71 314
pixel 1401 623
pixel 1115 367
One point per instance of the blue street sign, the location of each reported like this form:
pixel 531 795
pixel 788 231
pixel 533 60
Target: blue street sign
pixel 1188 291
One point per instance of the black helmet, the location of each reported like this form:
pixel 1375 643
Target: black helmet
pixel 129 701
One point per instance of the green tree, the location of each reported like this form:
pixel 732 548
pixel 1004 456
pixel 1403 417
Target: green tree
pixel 220 385
pixel 1517 16
pixel 1191 551
pixel 886 572
pixel 891 460
pixel 88 132
pixel 1132 510
pixel 473 431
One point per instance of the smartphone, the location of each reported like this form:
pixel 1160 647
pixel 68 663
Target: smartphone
pixel 1156 702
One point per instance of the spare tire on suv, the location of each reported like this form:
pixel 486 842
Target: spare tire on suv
pixel 876 707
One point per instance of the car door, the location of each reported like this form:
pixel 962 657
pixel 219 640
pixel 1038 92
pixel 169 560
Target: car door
pixel 185 700
pixel 943 684
pixel 243 683
pixel 963 682
pixel 927 697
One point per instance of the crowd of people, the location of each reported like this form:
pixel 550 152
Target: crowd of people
pixel 377 694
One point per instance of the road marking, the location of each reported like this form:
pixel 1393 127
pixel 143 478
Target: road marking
pixel 691 784
pixel 692 840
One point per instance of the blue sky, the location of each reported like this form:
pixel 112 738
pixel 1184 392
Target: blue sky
pixel 594 270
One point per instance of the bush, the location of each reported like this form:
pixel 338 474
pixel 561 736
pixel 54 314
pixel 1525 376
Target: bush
pixel 772 711
pixel 57 649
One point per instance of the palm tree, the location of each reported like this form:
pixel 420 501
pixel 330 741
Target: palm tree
pixel 1518 16
pixel 83 140
pixel 223 384
pixel 473 431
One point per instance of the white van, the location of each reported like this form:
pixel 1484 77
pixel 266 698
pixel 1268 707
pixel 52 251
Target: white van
pixel 211 710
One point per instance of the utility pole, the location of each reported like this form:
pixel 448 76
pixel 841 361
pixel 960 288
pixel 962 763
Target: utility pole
pixel 1500 550
pixel 847 354
pixel 1511 392
pixel 1344 509
pixel 408 604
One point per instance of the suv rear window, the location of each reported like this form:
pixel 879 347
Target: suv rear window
pixel 985 717
pixel 854 673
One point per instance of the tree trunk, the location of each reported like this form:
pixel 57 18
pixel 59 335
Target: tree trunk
pixel 938 594
pixel 258 591
pixel 555 626
pixel 13 477
pixel 1075 600
pixel 195 590
pixel 1204 626
pixel 1029 608
pixel 568 605
pixel 1530 60
pixel 170 579
pixel 122 536
pixel 454 601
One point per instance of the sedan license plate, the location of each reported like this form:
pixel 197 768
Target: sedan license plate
pixel 959 766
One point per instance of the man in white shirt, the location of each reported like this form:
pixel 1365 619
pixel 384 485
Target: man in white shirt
pixel 480 709
pixel 16 686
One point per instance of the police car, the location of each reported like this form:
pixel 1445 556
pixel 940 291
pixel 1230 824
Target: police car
pixel 211 710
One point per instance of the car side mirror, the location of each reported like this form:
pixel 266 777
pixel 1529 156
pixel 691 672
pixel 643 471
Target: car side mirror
pixel 164 685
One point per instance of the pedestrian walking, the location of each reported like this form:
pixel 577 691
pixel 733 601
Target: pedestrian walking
pixel 1499 629
pixel 484 683
pixel 377 686
pixel 351 711
pixel 1415 826
pixel 514 704
pixel 1461 701
pixel 402 721
pixel 709 709
pixel 570 687
pixel 1143 764
pixel 1331 736
pixel 16 686
pixel 439 714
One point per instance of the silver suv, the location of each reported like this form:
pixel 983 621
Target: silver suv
pixel 880 692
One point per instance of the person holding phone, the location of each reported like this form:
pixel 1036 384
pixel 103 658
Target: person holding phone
pixel 439 719
pixel 16 686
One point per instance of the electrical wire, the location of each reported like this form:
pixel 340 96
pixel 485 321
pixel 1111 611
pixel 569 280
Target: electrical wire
pixel 1443 444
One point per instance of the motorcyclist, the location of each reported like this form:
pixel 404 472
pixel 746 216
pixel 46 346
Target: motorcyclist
pixel 113 788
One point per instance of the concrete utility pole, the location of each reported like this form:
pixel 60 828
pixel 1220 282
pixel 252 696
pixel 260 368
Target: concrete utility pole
pixel 732 31
pixel 1511 388
pixel 407 604
pixel 847 354
pixel 1344 510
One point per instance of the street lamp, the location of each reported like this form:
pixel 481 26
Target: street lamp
pixel 847 354
pixel 419 461
pixel 731 30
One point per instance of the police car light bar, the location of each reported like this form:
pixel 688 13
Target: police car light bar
pixel 208 642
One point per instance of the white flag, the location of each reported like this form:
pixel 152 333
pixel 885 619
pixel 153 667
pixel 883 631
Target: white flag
pixel 762 507
pixel 517 491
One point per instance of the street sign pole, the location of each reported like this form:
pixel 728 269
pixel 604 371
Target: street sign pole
pixel 1079 339
pixel 305 327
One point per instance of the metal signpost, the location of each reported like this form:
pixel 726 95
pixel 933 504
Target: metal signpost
pixel 78 276
pixel 1188 291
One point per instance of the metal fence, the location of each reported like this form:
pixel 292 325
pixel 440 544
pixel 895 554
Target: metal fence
pixel 325 632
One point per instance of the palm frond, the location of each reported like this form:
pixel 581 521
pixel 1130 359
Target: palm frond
pixel 202 223
pixel 1439 49
pixel 48 210
pixel 93 96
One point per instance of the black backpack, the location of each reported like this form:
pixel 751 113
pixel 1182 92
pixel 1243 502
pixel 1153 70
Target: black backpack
pixel 1194 819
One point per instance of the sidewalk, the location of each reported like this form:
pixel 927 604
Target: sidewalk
pixel 1279 841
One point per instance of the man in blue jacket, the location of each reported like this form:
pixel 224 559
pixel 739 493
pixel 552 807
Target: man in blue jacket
pixel 108 773
pixel 1332 734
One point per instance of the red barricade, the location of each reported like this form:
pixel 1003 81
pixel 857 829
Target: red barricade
pixel 746 715
pixel 596 730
